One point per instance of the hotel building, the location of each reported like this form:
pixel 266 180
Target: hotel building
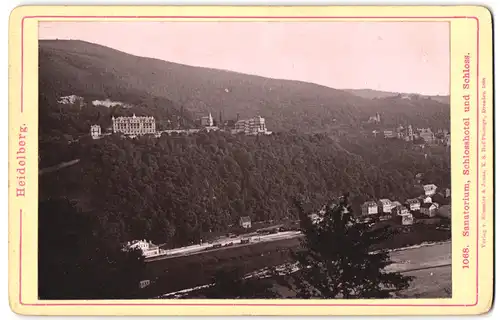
pixel 253 126
pixel 134 125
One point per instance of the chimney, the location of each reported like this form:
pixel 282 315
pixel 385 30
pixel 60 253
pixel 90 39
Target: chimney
pixel 237 116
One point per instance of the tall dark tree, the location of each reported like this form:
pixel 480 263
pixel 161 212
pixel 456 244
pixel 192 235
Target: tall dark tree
pixel 75 261
pixel 338 261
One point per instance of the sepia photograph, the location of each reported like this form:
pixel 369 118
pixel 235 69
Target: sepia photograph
pixel 244 160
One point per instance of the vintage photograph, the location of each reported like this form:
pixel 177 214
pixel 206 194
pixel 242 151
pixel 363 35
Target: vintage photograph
pixel 244 160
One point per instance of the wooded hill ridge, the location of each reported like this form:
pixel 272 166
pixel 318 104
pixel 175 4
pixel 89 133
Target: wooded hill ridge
pixel 160 88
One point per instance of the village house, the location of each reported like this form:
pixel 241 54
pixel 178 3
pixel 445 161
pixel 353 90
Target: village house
pixel 95 131
pixel 147 247
pixel 400 210
pixel 413 204
pixel 245 222
pixel 369 208
pixel 430 189
pixel 429 209
pixel 426 199
pixel 407 219
pixel 385 206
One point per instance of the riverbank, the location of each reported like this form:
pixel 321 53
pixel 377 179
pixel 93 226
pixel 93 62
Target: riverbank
pixel 186 272
pixel 432 276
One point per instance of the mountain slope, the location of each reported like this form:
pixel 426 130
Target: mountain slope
pixel 97 72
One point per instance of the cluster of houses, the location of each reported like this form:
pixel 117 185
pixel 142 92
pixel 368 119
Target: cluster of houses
pixel 385 209
pixel 407 133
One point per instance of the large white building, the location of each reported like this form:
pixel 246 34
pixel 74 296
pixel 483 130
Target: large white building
pixel 252 126
pixel 134 125
pixel 148 248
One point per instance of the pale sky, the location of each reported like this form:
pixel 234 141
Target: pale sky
pixel 412 57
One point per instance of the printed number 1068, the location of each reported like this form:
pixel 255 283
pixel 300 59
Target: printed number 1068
pixel 465 258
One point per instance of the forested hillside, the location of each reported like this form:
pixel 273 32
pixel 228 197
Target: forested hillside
pixel 173 189
pixel 179 189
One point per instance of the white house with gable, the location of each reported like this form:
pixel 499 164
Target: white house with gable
pixel 430 189
pixel 385 206
pixel 95 131
pixel 413 204
pixel 147 247
pixel 369 208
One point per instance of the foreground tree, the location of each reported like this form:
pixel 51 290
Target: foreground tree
pixel 337 260
pixel 76 262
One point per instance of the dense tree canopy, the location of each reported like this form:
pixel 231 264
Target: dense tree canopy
pixel 174 188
